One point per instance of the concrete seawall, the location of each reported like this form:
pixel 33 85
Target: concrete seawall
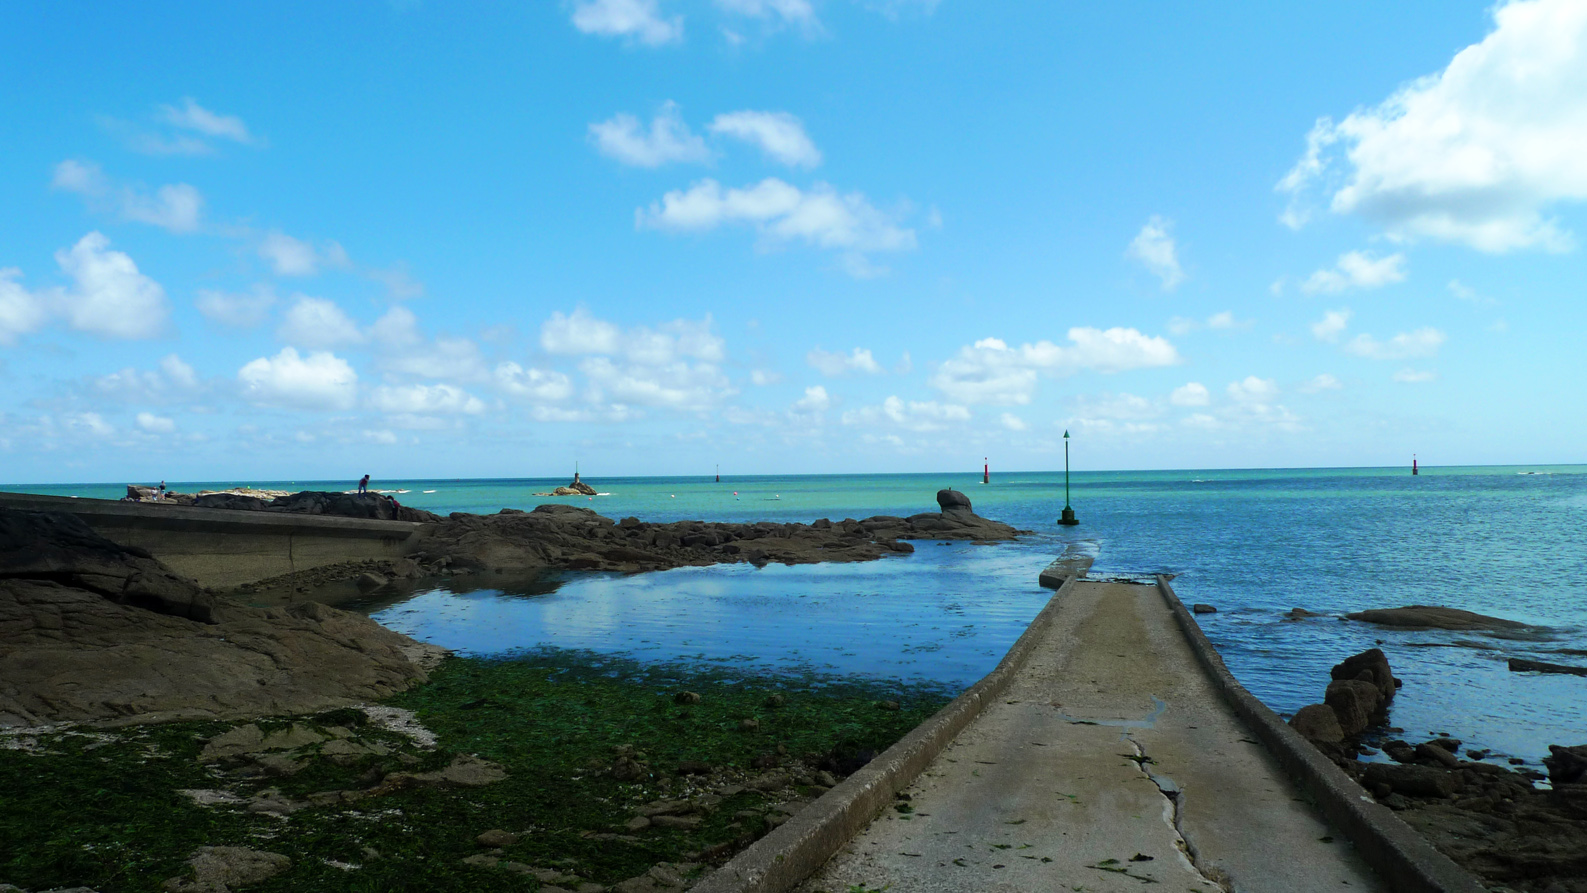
pixel 223 548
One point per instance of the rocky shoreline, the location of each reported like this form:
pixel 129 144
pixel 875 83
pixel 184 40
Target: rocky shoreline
pixel 1491 819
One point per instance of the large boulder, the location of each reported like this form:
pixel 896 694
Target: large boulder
pixel 1434 617
pixel 375 506
pixel 233 501
pixel 1318 724
pixel 62 548
pixel 1566 765
pixel 1355 702
pixel 1371 666
pixel 952 500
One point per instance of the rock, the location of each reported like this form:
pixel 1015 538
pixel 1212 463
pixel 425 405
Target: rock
pixel 1375 664
pixel 230 501
pixel 1203 609
pixel 1318 723
pixel 889 706
pixel 496 838
pixel 1432 753
pixel 1299 614
pixel 1566 765
pixel 375 506
pixel 749 725
pixel 59 548
pixel 776 700
pixel 952 500
pixel 637 823
pixel 675 821
pixel 1412 781
pixel 694 767
pixel 1522 665
pixel 685 697
pixel 1434 617
pixel 216 869
pixel 1355 702
pixel 369 582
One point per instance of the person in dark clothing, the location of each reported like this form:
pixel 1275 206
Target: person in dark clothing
pixel 363 485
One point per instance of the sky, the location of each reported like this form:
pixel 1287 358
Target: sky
pixel 267 241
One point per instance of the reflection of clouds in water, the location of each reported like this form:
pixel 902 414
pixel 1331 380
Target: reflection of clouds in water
pixel 877 619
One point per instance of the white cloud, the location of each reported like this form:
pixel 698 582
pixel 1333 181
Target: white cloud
pixel 239 310
pixel 1323 382
pixel 194 117
pixel 1356 269
pixel 397 328
pixel 815 399
pixel 1470 295
pixel 911 416
pixel 639 20
pixel 894 8
pixel 1012 422
pixel 1155 248
pixel 1254 390
pixel 1224 321
pixel 87 423
pixel 764 377
pixel 21 311
pixel 782 213
pixel 778 134
pixel 425 399
pixel 835 364
pixel 316 322
pixel 625 139
pixel 400 285
pixel 798 12
pixel 678 385
pixel 154 424
pixel 1476 153
pixel 1413 376
pixel 1116 406
pixel 580 333
pixel 536 385
pixel 1191 394
pixel 295 257
pixel 318 381
pixel 177 207
pixel 174 380
pixel 1332 325
pixel 990 372
pixel 1423 342
pixel 448 358
pixel 108 296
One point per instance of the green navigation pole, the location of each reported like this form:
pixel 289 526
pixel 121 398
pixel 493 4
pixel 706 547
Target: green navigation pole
pixel 1068 518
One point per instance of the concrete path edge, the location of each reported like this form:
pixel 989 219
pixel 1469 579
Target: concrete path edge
pixel 793 851
pixel 1403 858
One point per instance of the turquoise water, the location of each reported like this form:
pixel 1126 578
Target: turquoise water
pixel 1254 543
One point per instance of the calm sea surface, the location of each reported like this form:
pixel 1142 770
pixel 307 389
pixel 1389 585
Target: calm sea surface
pixel 1505 541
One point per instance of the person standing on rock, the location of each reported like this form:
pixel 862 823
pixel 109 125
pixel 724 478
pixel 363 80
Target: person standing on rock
pixel 363 485
pixel 160 497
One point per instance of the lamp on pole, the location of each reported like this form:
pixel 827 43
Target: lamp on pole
pixel 1068 518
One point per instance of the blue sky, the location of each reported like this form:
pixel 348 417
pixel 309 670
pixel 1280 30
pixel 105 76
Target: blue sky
pixel 281 241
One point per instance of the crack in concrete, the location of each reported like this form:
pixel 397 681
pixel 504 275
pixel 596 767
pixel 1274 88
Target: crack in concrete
pixel 1174 818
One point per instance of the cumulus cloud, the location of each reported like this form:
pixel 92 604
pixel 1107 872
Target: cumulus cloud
pixel 397 328
pixel 154 424
pixel 1012 422
pixel 320 380
pixel 1191 394
pixel 1224 321
pixel 1476 153
pixel 781 214
pixel 779 135
pixel 425 400
pixel 316 322
pixel 634 20
pixel 294 257
pixel 835 364
pixel 108 296
pixel 21 311
pixel 173 381
pixel 188 130
pixel 911 416
pixel 815 399
pixel 177 207
pixel 238 310
pixel 624 138
pixel 796 12
pixel 676 385
pixel 991 372
pixel 1332 325
pixel 1254 390
pixel 1155 248
pixel 1423 342
pixel 580 333
pixel 1356 269
pixel 446 358
pixel 535 385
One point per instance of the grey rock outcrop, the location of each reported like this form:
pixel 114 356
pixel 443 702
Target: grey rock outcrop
pixel 375 506
pixel 93 631
pixel 1434 617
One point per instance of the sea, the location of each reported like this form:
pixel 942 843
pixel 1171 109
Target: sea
pixel 1253 543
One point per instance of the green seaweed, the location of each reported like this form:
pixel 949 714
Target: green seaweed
pixel 103 808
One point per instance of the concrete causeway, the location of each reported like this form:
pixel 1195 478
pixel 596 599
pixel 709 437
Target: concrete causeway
pixel 1108 763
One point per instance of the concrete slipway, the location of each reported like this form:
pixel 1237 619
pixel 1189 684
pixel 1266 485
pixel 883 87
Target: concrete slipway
pixel 1109 751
